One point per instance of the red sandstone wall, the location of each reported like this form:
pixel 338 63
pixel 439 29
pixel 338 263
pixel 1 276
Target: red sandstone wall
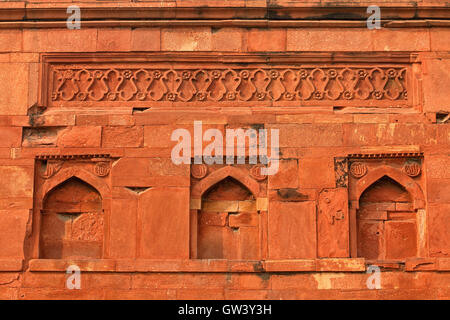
pixel 297 229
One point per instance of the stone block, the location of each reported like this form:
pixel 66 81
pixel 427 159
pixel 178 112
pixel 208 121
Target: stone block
pixel 163 218
pixel 400 40
pixel 292 229
pixel 267 40
pixel 123 224
pixel 10 137
pixel 435 83
pixel 123 137
pixel 287 175
pixel 17 182
pixel 60 40
pixel 316 173
pixel 227 39
pixel 114 39
pixel 14 88
pixel 13 227
pixel 146 39
pixel 333 224
pixel 336 39
pixel 186 39
pixel 80 137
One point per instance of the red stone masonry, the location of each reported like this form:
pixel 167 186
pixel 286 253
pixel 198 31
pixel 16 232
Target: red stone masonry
pixel 86 176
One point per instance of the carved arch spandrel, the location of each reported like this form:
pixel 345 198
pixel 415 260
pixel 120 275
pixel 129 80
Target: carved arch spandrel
pixel 374 175
pixel 68 173
pixel 241 176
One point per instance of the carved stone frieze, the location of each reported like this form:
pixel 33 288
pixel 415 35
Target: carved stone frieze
pixel 229 83
pixel 309 81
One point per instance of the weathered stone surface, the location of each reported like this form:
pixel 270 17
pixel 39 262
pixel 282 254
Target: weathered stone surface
pixel 333 224
pixel 287 175
pixel 292 230
pixel 123 137
pixel 86 170
pixel 14 87
pixel 186 39
pixel 163 215
pixel 80 137
pixel 12 232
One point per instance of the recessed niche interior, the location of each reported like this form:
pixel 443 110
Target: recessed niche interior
pixel 228 223
pixel 72 222
pixel 386 222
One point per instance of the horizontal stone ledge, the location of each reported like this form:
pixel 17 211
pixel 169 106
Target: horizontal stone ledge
pixel 221 10
pixel 91 265
pixel 427 264
pixel 11 264
pixel 201 265
pixel 257 23
pixel 222 265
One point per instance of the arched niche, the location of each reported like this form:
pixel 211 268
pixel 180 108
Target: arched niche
pixel 386 222
pixel 388 216
pixel 226 225
pixel 71 222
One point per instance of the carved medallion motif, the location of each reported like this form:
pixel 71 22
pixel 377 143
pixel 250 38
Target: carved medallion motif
pixel 101 169
pixel 199 171
pixel 412 169
pixel 255 172
pixel 358 169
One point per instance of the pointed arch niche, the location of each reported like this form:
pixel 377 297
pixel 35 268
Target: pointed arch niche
pixel 387 211
pixel 227 220
pixel 71 210
pixel 72 222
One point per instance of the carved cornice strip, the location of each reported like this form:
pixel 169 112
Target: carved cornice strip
pixel 71 156
pixel 386 155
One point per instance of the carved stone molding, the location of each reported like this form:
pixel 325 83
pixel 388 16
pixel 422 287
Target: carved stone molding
pixel 386 155
pixel 197 13
pixel 71 156
pixel 99 164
